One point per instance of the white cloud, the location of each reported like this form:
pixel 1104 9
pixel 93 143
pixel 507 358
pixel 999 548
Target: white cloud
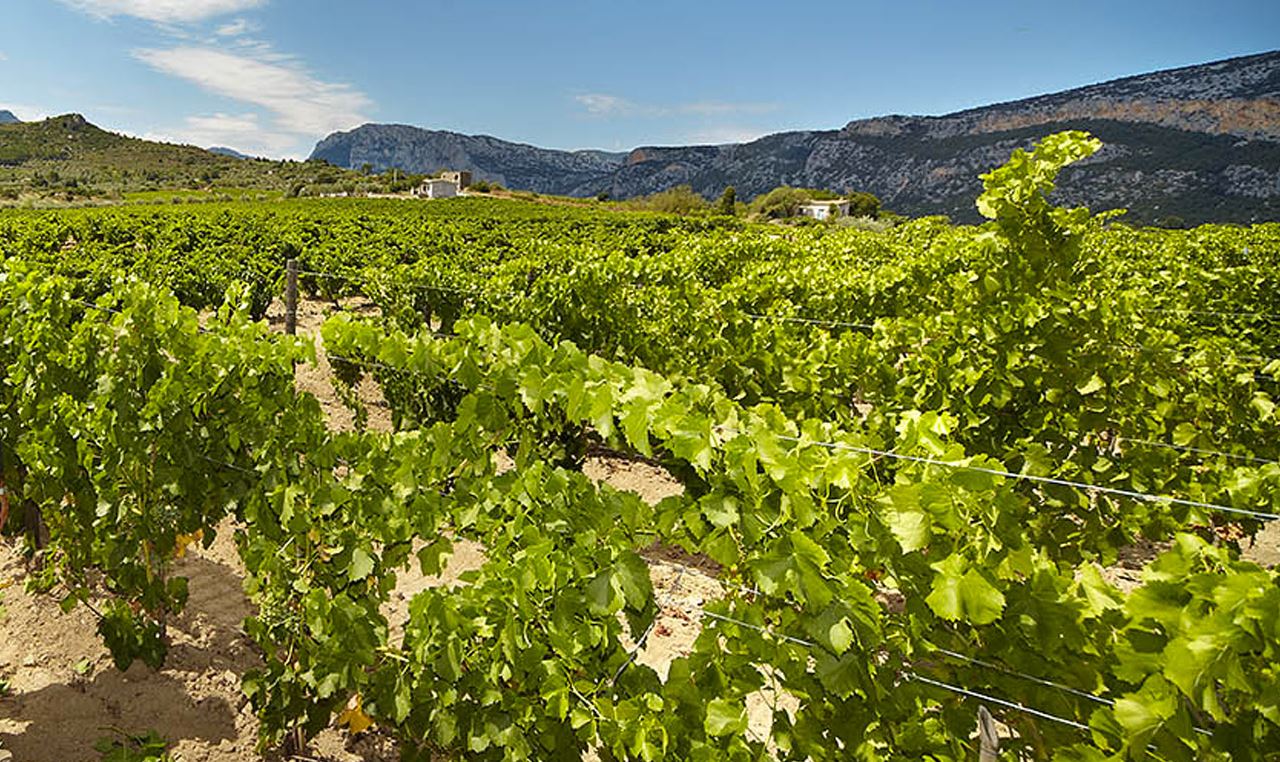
pixel 722 135
pixel 243 132
pixel 25 111
pixel 607 106
pixel 299 103
pixel 3 57
pixel 164 11
pixel 599 104
pixel 237 28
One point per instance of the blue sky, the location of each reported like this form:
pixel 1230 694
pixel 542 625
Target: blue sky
pixel 272 77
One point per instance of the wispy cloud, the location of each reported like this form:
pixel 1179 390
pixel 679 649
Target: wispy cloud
pixel 3 57
pixel 599 104
pixel 164 11
pixel 243 132
pixel 237 28
pixel 299 102
pixel 25 111
pixel 603 105
pixel 722 135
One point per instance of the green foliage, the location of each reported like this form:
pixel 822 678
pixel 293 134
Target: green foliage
pixel 127 747
pixel 780 202
pixel 862 204
pixel 728 202
pixel 1009 348
pixel 680 200
pixel 132 429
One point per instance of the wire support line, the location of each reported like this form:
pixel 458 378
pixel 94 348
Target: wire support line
pixel 1014 705
pixel 723 583
pixel 1143 496
pixel 95 305
pixel 478 292
pixel 997 701
pixel 1183 350
pixel 947 652
pixel 1024 676
pixel 230 466
pixel 1196 450
pixel 747 625
pixel 667 599
pixel 892 454
pixel 1219 313
pixel 1047 683
pixel 808 321
pixel 362 282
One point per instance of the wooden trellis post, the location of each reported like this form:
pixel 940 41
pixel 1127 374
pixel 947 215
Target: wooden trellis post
pixel 988 739
pixel 291 297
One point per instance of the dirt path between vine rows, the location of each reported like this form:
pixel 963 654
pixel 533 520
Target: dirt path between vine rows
pixel 59 692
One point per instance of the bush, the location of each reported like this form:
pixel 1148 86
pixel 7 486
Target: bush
pixel 678 200
pixel 780 202
pixel 863 205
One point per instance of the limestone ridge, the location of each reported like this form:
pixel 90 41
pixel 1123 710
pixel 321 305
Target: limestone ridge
pixel 1200 143
pixel 514 165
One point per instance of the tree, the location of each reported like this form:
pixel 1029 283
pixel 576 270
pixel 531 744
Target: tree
pixel 863 205
pixel 783 201
pixel 728 201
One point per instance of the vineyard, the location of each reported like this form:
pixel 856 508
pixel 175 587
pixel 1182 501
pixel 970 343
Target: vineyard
pixel 907 458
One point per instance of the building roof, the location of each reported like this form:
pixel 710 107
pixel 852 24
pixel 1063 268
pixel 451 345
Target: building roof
pixel 827 202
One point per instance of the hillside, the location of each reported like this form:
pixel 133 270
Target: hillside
pixel 67 157
pixel 7 117
pixel 1200 143
pixel 514 165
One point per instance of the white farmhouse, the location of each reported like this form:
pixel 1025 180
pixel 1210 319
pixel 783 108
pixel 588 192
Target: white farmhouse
pixel 822 210
pixel 434 187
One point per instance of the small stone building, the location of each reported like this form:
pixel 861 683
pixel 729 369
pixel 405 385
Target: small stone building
pixel 436 187
pixel 822 210
pixel 461 177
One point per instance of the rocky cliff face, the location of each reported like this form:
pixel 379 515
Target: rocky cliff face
pixel 1200 143
pixel 514 165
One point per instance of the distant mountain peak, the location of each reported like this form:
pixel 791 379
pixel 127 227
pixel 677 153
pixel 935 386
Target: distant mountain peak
pixel 231 152
pixel 1198 142
pixel 7 117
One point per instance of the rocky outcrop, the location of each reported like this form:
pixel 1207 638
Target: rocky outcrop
pixel 1199 143
pixel 514 165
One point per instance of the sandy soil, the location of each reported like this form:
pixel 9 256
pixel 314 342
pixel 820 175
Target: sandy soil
pixel 63 692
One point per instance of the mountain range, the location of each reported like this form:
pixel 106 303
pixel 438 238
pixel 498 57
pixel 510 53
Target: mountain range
pixel 7 117
pixel 1193 144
